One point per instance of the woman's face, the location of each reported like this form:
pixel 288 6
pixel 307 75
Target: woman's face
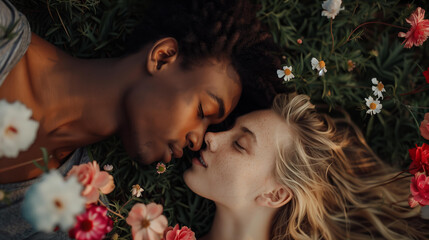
pixel 240 162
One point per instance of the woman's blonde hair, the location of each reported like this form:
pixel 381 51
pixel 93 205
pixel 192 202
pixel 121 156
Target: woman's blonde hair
pixel 331 201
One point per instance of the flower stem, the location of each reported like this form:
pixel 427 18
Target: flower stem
pixel 108 209
pixel 129 200
pixel 332 35
pixel 363 24
pixel 418 89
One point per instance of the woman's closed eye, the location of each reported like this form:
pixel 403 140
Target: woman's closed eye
pixel 239 147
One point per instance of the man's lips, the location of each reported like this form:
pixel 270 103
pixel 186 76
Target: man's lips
pixel 175 150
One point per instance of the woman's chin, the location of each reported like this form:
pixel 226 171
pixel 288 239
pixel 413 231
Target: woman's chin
pixel 191 180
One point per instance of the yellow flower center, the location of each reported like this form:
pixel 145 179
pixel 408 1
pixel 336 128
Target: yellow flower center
pixel 136 189
pixel 350 63
pixel 10 131
pixel 380 86
pixel 321 64
pixel 287 72
pixel 373 106
pixel 58 204
pixel 145 223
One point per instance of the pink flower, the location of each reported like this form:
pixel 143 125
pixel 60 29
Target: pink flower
pixel 147 222
pixel 160 168
pixel 412 202
pixel 419 30
pixel 420 157
pixel 426 74
pixel 184 233
pixel 419 190
pixel 92 224
pixel 93 180
pixel 424 127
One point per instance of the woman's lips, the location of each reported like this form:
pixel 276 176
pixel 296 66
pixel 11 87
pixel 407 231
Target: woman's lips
pixel 200 161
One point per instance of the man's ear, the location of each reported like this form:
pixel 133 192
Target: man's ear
pixel 276 198
pixel 162 54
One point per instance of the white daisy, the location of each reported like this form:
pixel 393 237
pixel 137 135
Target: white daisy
pixel 108 167
pixel 137 190
pixel 374 106
pixel 319 65
pixel 379 89
pixel 53 201
pixel 286 73
pixel 331 8
pixel 17 129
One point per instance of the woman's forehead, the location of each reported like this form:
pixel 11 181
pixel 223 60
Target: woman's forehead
pixel 266 124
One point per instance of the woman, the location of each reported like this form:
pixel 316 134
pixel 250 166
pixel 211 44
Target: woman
pixel 287 173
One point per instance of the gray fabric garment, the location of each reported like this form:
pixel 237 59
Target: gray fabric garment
pixel 15 36
pixel 12 225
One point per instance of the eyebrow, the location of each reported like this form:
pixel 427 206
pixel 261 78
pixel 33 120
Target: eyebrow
pixel 246 130
pixel 219 102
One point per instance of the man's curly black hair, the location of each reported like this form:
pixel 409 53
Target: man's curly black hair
pixel 217 29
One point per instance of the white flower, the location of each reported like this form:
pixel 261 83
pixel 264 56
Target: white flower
pixel 53 201
pixel 319 65
pixel 374 106
pixel 378 89
pixel 286 73
pixel 331 8
pixel 108 167
pixel 17 129
pixel 137 190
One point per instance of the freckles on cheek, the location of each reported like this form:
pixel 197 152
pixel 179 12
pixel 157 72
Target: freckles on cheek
pixel 234 175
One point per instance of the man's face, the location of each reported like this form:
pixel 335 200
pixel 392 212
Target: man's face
pixel 172 109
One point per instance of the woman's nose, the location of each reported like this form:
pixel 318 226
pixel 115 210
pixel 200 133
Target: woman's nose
pixel 209 139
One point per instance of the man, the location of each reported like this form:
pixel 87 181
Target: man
pixel 187 67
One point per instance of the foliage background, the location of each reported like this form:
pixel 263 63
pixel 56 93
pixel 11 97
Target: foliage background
pixel 99 28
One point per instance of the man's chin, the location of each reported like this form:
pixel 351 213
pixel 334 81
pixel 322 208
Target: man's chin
pixel 144 159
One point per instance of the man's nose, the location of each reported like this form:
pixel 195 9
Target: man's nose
pixel 195 139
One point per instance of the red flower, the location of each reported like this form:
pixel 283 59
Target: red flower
pixel 92 224
pixel 424 127
pixel 419 190
pixel 426 74
pixel 175 233
pixel 419 30
pixel 420 157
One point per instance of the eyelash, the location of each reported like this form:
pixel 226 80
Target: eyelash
pixel 200 111
pixel 238 146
